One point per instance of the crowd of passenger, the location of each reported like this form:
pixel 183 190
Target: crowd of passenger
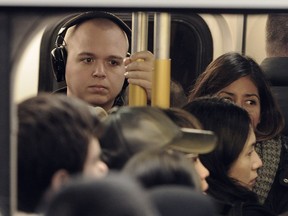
pixel 85 152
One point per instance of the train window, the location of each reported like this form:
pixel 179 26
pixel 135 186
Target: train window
pixel 191 49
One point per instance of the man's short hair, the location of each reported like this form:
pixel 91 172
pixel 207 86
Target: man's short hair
pixel 277 35
pixel 54 133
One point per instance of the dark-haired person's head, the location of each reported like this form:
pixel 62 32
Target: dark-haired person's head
pixel 239 78
pixel 180 200
pixel 129 130
pixel 277 35
pixel 57 138
pixel 234 163
pixel 184 119
pixel 114 195
pixel 162 166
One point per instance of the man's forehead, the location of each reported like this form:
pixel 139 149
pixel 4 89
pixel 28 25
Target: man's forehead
pixel 101 23
pixel 95 23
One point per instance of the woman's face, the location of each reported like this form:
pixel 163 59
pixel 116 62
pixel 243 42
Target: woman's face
pixel 244 169
pixel 244 94
pixel 200 169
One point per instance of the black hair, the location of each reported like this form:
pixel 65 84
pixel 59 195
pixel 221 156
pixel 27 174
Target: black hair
pixel 158 167
pixel 232 126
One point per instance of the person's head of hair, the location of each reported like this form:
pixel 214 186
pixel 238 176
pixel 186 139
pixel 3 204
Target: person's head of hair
pixel 277 35
pixel 114 195
pixel 232 125
pixel 230 67
pixel 158 167
pixel 54 134
pixel 129 130
pixel 178 98
pixel 182 118
pixel 180 200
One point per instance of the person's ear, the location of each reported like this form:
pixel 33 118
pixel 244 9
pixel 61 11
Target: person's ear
pixel 59 179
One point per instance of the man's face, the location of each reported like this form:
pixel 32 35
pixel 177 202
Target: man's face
pixel 93 165
pixel 95 69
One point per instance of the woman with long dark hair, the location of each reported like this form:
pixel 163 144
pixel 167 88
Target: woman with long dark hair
pixel 234 163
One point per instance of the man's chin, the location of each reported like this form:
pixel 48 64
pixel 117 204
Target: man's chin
pixel 101 103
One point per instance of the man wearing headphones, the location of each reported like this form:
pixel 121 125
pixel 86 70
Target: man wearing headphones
pixel 93 49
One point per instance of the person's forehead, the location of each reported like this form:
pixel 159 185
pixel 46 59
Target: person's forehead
pixel 96 23
pixel 96 26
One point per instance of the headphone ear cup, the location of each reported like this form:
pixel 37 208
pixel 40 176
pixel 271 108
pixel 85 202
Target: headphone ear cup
pixel 58 61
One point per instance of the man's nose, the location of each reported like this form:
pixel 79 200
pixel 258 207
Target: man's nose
pixel 98 70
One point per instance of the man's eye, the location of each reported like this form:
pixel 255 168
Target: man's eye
pixel 114 62
pixel 87 60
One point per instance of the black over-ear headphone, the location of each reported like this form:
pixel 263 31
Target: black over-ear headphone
pixel 59 53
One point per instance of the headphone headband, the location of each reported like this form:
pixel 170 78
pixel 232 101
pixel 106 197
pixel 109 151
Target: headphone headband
pixel 82 17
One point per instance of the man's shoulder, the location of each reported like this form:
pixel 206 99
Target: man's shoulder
pixel 275 68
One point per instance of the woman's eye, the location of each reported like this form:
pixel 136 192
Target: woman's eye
pixel 194 159
pixel 228 99
pixel 250 153
pixel 251 102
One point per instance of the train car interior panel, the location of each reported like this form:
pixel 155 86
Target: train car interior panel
pixel 199 34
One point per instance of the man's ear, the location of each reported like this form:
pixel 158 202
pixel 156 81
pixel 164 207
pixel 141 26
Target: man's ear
pixel 59 179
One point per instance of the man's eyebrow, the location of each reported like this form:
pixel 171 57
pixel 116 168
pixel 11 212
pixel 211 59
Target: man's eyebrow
pixel 109 57
pixel 116 57
pixel 85 54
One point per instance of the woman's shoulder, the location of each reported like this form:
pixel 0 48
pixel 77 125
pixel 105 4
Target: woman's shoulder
pixel 241 209
pixel 255 210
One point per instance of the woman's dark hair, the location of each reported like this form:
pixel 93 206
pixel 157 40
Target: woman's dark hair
pixel 232 126
pixel 158 167
pixel 230 67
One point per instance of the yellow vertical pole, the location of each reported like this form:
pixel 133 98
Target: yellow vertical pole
pixel 137 94
pixel 162 68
